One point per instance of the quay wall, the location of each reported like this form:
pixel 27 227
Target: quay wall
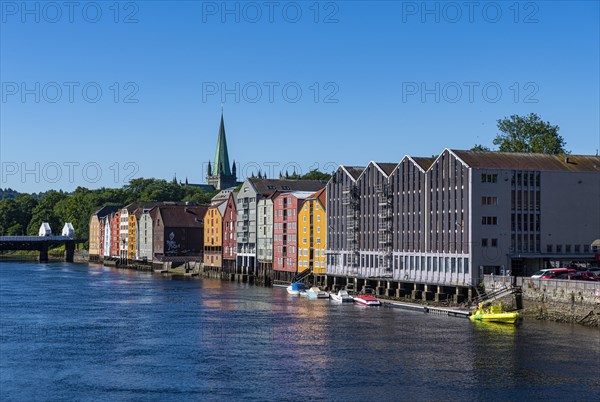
pixel 555 299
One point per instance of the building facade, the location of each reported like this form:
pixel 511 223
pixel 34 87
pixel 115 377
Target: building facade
pixel 229 236
pixel 213 236
pixel 251 191
pixel 145 235
pixel 452 219
pixel 115 234
pixel 178 231
pixel 312 228
pixel 264 236
pixel 286 207
pixel 96 233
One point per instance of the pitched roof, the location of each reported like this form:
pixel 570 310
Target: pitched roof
pixel 424 162
pixel 301 195
pixel 182 216
pixel 388 168
pixel 321 196
pixel 267 186
pixel 354 171
pixel 221 155
pixel 222 195
pixel 527 161
pixel 107 210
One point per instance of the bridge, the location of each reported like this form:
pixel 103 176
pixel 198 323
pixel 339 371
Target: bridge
pixel 40 243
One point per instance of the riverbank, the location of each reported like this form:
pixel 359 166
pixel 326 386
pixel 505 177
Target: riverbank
pixel 546 300
pixel 555 300
pixel 54 255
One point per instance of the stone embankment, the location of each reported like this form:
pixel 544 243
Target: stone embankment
pixel 555 299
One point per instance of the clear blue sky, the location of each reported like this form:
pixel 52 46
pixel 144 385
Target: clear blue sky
pixel 375 59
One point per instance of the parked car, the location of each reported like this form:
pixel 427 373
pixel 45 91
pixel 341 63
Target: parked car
pixel 592 270
pixel 578 276
pixel 553 273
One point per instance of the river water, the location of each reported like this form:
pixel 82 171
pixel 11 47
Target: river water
pixel 86 332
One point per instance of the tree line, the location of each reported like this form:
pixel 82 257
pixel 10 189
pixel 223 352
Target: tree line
pixel 22 214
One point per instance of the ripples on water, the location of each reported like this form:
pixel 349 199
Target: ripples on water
pixel 73 331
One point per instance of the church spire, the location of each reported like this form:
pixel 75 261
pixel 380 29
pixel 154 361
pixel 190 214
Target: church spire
pixel 221 165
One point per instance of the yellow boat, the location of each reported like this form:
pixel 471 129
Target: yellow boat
pixel 493 313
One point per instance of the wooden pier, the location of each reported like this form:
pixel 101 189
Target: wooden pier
pixel 448 311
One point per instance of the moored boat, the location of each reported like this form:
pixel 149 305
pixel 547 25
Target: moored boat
pixel 296 288
pixel 316 293
pixel 367 300
pixel 341 297
pixel 494 313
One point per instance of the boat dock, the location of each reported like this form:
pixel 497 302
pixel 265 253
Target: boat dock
pixel 449 311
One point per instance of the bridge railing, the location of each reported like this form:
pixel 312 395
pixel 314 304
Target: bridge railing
pixel 35 238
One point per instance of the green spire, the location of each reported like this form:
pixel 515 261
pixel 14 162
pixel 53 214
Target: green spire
pixel 221 165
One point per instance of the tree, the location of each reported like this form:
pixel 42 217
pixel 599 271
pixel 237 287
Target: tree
pixel 44 212
pixel 480 148
pixel 316 175
pixel 529 134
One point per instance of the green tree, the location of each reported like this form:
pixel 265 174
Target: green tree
pixel 44 212
pixel 77 209
pixel 529 134
pixel 316 175
pixel 480 148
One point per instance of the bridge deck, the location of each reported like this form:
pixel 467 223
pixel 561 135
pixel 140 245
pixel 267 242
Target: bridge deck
pixel 34 238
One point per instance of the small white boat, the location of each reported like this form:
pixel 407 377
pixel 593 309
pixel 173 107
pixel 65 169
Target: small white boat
pixel 367 300
pixel 341 297
pixel 296 288
pixel 316 293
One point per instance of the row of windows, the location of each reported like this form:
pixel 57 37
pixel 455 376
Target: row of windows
pixel 489 220
pixel 526 178
pixel 489 242
pixel 288 212
pixel 489 178
pixel 568 248
pixel 489 200
pixel 529 222
pixel 318 252
pixel 413 263
pixel 283 249
pixel 285 226
pixel 316 264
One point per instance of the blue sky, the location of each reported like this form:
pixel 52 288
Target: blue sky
pixel 378 80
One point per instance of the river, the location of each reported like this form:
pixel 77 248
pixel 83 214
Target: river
pixel 86 332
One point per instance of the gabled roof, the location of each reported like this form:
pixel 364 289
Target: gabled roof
pixel 301 195
pixel 353 171
pixel 222 195
pixel 320 196
pixel 222 207
pixel 265 187
pixel 107 210
pixel 423 162
pixel 527 161
pixel 182 216
pixel 385 168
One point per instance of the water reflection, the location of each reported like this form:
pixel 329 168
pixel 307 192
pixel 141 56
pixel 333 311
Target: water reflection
pixel 102 333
